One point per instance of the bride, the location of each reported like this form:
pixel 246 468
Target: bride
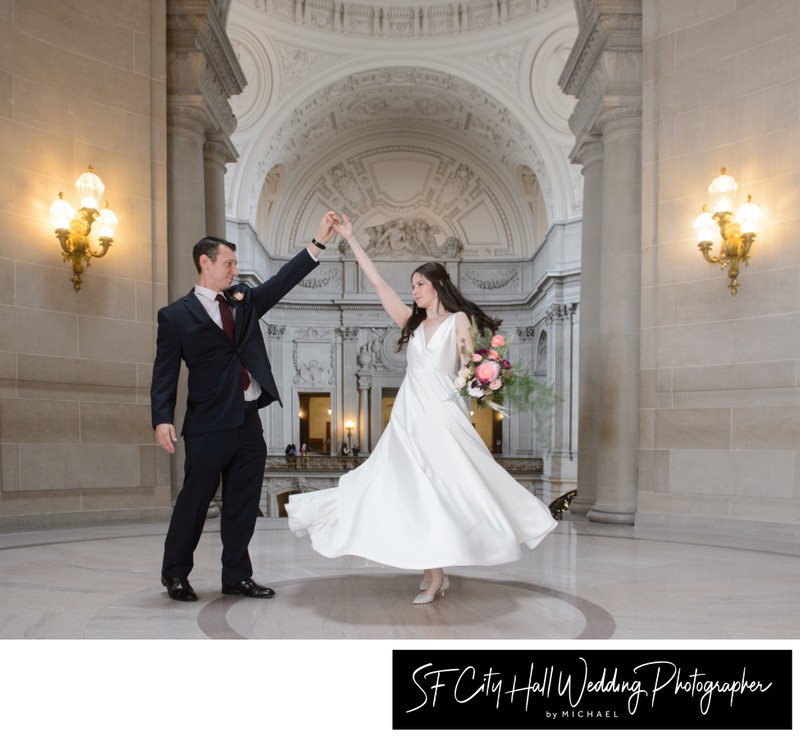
pixel 430 495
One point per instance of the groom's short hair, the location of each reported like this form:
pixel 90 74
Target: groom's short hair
pixel 209 245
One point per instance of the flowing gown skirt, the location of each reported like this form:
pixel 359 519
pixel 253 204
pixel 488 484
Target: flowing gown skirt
pixel 430 494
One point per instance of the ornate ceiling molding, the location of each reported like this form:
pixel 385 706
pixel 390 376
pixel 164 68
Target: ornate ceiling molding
pixel 434 18
pixel 322 94
pixel 453 194
pixel 409 98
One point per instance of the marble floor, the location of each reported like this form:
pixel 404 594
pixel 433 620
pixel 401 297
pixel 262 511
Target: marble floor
pixel 90 598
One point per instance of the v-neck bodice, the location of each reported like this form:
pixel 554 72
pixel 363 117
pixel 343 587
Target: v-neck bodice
pixel 439 352
pixel 435 330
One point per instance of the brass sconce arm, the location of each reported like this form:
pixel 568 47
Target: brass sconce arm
pixel 76 246
pixel 73 228
pixel 735 249
pixel 737 232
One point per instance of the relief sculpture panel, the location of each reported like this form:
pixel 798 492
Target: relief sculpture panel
pixel 313 354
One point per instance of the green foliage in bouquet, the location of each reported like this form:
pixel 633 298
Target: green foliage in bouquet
pixel 489 377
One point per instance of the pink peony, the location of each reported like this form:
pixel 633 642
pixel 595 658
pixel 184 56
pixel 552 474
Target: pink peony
pixel 493 355
pixel 495 385
pixel 476 358
pixel 498 340
pixel 487 371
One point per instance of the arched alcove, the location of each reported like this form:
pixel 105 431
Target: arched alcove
pixel 337 86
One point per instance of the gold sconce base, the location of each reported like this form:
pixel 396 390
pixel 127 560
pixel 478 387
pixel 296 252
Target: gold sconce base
pixel 735 249
pixel 73 227
pixel 76 247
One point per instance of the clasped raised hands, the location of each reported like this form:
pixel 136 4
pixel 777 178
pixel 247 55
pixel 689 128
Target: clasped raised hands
pixel 344 227
pixel 327 226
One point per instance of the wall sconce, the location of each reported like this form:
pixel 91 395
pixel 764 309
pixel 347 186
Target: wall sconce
pixel 349 425
pixel 73 228
pixel 737 234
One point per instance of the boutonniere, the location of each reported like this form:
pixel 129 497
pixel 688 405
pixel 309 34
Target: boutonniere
pixel 234 297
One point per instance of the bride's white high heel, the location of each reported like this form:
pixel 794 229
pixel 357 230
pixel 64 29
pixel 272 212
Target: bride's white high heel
pixel 424 584
pixel 423 599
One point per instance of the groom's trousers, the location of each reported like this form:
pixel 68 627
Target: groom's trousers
pixel 236 457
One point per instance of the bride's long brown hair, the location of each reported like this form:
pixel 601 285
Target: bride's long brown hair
pixel 451 299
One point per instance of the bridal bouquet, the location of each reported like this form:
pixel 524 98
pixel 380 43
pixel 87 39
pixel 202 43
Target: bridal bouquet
pixel 490 378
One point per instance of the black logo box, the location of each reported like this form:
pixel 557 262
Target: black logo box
pixel 594 689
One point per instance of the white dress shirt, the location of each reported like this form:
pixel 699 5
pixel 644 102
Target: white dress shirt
pixel 208 299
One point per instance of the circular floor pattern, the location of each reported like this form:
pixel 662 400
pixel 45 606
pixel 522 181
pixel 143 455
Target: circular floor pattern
pixel 374 606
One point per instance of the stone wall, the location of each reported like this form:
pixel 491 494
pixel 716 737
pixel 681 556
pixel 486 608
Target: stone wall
pixel 82 84
pixel 720 409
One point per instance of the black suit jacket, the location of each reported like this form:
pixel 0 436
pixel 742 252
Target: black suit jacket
pixel 187 333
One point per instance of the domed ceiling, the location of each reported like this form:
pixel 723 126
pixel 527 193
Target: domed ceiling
pixel 444 114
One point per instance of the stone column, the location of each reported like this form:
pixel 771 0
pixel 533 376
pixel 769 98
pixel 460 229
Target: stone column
pixel 554 320
pixel 523 438
pixel 559 458
pixel 217 152
pixel 202 74
pixel 185 196
pixel 364 386
pixel 185 226
pixel 350 368
pixel 604 71
pixel 337 398
pixel 275 414
pixel 589 397
pixel 620 287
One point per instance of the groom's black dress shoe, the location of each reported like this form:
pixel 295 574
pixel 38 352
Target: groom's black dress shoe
pixel 178 588
pixel 247 588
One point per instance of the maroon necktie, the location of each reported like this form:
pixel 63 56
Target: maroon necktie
pixel 226 314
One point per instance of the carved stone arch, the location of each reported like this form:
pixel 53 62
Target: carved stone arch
pixel 553 106
pixel 255 55
pixel 270 193
pixel 424 101
pixel 447 186
pixel 534 200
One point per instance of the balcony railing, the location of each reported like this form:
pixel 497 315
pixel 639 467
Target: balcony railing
pixel 286 475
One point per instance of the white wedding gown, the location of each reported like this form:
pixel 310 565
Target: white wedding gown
pixel 430 494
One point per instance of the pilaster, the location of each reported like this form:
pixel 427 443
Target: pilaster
pixel 522 425
pixel 279 360
pixel 350 397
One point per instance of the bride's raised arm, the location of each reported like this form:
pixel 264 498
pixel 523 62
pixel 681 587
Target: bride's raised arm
pixel 397 310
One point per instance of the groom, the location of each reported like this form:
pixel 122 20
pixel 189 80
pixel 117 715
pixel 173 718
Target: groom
pixel 215 331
